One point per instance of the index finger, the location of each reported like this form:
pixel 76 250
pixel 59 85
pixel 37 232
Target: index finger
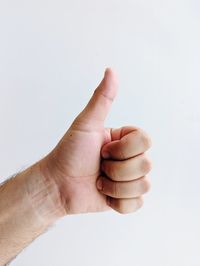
pixel 126 142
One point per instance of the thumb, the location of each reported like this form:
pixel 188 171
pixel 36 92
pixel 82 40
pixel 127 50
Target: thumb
pixel 98 106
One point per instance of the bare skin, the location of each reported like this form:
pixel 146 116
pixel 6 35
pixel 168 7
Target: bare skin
pixel 92 169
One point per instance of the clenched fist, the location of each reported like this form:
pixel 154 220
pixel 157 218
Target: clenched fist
pixel 97 168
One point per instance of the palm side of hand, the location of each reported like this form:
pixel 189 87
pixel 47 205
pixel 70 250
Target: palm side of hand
pixel 76 162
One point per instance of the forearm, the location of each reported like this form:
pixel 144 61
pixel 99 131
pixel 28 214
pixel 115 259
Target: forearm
pixel 29 203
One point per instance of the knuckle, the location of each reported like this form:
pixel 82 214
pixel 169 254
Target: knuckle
pixel 147 141
pixel 140 202
pixel 110 99
pixel 145 138
pixel 146 164
pixel 146 185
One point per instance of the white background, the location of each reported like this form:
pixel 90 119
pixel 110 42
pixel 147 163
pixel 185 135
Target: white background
pixel 52 56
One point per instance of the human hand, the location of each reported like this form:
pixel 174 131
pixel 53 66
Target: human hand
pixel 97 168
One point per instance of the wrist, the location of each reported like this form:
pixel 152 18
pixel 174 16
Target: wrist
pixel 29 203
pixel 43 194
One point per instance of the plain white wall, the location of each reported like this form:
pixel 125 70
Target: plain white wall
pixel 52 56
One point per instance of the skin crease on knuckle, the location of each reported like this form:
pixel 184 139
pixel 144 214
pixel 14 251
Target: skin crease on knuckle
pixel 123 170
pixel 130 189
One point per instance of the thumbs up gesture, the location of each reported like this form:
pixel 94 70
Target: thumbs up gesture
pixel 96 168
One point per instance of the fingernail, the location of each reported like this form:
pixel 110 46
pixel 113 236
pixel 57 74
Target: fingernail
pixel 105 154
pixel 99 184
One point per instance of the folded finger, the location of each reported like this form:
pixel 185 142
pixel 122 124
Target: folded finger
pixel 128 169
pixel 127 189
pixel 126 142
pixel 125 206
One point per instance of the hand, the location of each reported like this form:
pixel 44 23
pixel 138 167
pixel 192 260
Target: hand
pixel 97 168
